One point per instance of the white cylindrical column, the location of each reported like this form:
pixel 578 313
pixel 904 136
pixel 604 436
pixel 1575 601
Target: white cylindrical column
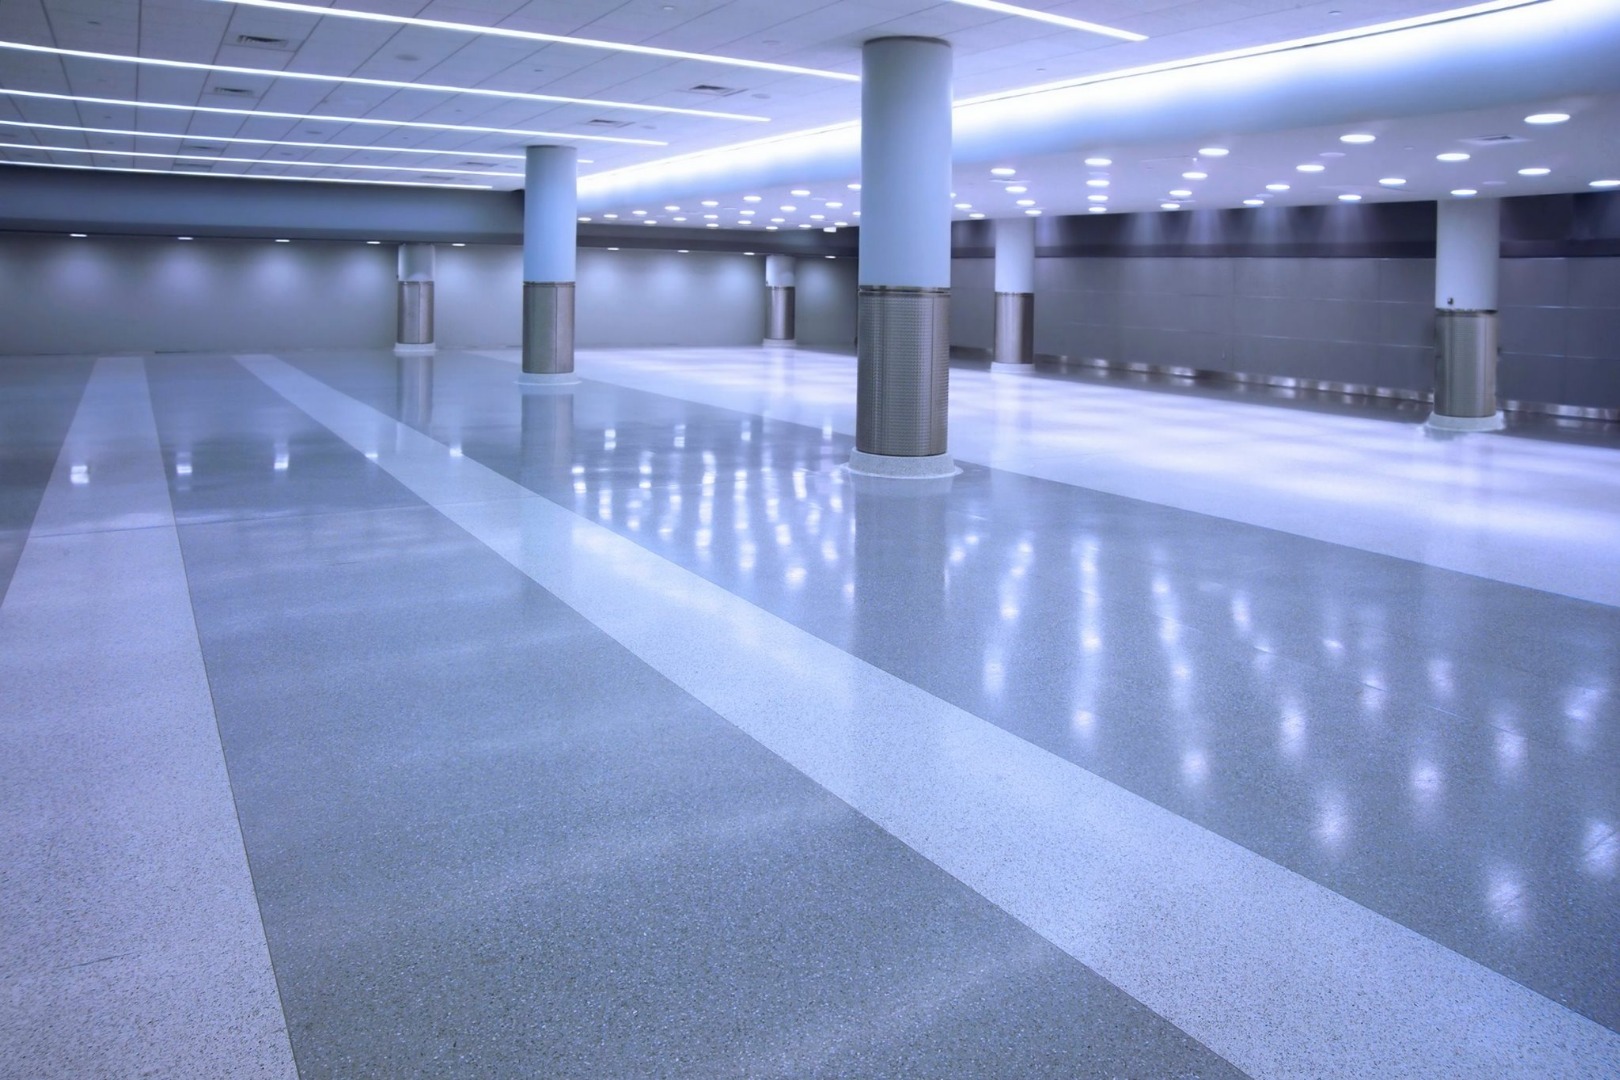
pixel 780 271
pixel 1468 245
pixel 414 323
pixel 1015 296
pixel 550 206
pixel 902 390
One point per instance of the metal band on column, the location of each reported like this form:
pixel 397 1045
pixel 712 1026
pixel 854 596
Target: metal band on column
pixel 413 329
pixel 903 351
pixel 1468 242
pixel 550 200
pixel 548 327
pixel 782 328
pixel 1015 332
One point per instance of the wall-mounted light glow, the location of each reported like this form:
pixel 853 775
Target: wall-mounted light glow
pixel 1546 118
pixel 392 84
pixel 1358 137
pixel 219 110
pixel 531 35
pixel 1534 170
pixel 372 242
pixel 1213 151
pixel 1055 20
pixel 1309 167
pixel 1098 209
pixel 1451 155
pixel 1393 181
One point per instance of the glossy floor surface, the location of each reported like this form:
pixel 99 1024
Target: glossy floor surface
pixel 377 717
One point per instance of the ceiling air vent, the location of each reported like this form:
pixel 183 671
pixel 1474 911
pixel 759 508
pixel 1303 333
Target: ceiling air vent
pixel 200 146
pixel 258 42
pixel 478 164
pixel 1494 140
pixel 710 90
pixel 195 166
pixel 607 123
pixel 234 91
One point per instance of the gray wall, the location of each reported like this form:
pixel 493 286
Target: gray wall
pixel 123 294
pixel 1350 320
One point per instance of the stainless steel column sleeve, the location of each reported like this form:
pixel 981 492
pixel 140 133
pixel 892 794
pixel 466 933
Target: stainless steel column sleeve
pixel 1465 364
pixel 782 327
pixel 1015 328
pixel 1468 242
pixel 903 389
pixel 415 325
pixel 548 327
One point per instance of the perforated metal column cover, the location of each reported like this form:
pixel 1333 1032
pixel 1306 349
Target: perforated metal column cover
pixel 415 323
pixel 1015 328
pixel 783 318
pixel 903 376
pixel 548 327
pixel 1465 363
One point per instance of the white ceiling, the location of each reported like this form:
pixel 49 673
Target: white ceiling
pixel 993 54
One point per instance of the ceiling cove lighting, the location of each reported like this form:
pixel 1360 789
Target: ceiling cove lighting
pixel 392 84
pixel 245 161
pixel 1546 118
pixel 1055 20
pixel 548 39
pixel 260 142
pixel 217 110
pixel 250 176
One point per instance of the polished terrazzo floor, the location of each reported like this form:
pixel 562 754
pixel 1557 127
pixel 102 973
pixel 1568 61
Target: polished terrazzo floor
pixel 373 716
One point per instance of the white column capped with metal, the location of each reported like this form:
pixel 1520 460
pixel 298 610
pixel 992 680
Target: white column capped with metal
pixel 902 389
pixel 1468 245
pixel 550 209
pixel 781 280
pixel 1015 296
pixel 414 322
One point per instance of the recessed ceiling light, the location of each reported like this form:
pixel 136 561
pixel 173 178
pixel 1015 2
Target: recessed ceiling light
pixel 711 225
pixel 1213 151
pixel 1254 202
pixel 584 219
pixel 1098 209
pixel 392 84
pixel 218 110
pixel 1195 175
pixel 842 224
pixel 1002 8
pixel 1182 193
pixel 1604 183
pixel 188 238
pixel 975 215
pixel 1096 198
pixel 710 202
pixel 1169 206
pixel 853 187
pixel 818 217
pixel 1002 170
pixel 1016 189
pixel 770 228
pixel 1464 192
pixel 711 217
pixel 1358 137
pixel 682 251
pixel 1534 170
pixel 639 213
pixel 1451 155
pixel 1349 198
pixel 964 206
pixel 806 226
pixel 1099 162
pixel 1546 118
pixel 748 253
pixel 787 209
pixel 779 220
pixel 671 208
pixel 1033 213
pixel 800 192
pixel 611 217
pixel 1096 183
pixel 1025 202
pixel 1309 167
pixel 751 198
pixel 1393 181
pixel 835 205
pixel 677 218
pixel 1276 187
pixel 747 213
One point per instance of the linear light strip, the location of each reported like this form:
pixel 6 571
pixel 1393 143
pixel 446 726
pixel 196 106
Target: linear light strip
pixel 357 80
pixel 245 176
pixel 533 35
pixel 244 161
pixel 1055 20
pixel 219 110
pixel 1108 76
pixel 261 142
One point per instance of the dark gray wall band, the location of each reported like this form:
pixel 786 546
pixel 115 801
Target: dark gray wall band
pixel 548 327
pixel 903 371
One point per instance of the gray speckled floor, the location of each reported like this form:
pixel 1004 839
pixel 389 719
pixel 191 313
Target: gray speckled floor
pixel 38 396
pixel 607 733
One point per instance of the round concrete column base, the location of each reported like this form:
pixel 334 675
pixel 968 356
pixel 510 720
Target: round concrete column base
pixel 534 380
pixel 1437 422
pixel 932 467
pixel 427 349
pixel 999 368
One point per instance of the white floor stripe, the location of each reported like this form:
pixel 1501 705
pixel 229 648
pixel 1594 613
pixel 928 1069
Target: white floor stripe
pixel 130 940
pixel 1528 512
pixel 1279 975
